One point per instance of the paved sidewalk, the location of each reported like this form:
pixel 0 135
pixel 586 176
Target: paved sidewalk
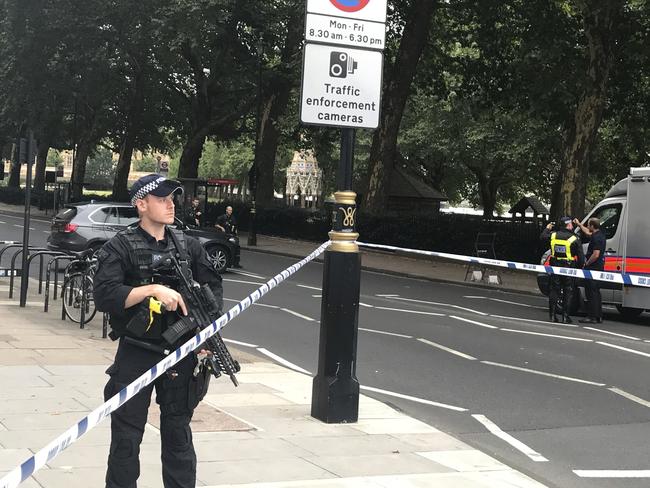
pixel 260 435
pixel 399 263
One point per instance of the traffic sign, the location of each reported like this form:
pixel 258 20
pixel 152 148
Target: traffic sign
pixel 341 87
pixel 373 10
pixel 342 31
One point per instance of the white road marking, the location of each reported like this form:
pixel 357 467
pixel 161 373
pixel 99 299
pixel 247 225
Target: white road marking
pixel 509 302
pixel 447 349
pixel 542 373
pixel 22 218
pixel 629 396
pixel 310 287
pixel 230 280
pixel 264 305
pixel 613 333
pixel 239 343
pixel 299 315
pixel 387 296
pixel 282 361
pixel 472 296
pixel 317 296
pixel 1 222
pixel 612 473
pixel 366 305
pixel 548 335
pixel 517 444
pixel 411 311
pixel 413 399
pixel 633 351
pixel 246 273
pixel 531 320
pixel 386 333
pixel 473 322
pixel 397 297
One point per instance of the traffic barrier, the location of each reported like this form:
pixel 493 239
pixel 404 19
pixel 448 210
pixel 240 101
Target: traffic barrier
pixel 607 276
pixel 58 445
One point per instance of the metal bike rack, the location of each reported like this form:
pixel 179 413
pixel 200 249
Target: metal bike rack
pixel 40 254
pixel 13 267
pixel 48 273
pixel 8 245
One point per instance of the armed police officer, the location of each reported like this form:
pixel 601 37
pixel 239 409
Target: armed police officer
pixel 566 251
pixel 125 282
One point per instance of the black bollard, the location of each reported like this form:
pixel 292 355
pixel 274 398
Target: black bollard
pixel 335 389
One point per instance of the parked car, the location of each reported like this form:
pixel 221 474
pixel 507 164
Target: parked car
pixel 83 226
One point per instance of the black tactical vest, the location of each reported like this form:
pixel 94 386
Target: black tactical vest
pixel 141 271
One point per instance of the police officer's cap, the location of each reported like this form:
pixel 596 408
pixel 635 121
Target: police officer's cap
pixel 563 221
pixel 153 185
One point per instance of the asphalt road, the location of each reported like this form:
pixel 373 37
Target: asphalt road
pixel 570 406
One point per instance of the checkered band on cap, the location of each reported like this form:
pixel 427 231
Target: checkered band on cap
pixel 146 189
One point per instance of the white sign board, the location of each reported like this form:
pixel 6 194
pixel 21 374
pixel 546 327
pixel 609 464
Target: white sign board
pixel 373 10
pixel 341 87
pixel 347 32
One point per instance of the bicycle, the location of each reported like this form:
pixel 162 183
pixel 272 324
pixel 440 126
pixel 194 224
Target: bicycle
pixel 77 289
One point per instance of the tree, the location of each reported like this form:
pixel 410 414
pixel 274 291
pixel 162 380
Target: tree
pixel 600 21
pixel 399 75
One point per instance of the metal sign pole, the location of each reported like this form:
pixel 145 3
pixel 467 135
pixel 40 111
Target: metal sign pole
pixel 335 391
pixel 31 151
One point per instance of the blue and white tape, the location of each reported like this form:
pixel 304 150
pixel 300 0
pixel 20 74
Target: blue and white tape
pixel 54 448
pixel 607 276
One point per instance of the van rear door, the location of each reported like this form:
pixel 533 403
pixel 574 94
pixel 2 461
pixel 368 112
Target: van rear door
pixel 637 252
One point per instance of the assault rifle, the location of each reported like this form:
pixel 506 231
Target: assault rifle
pixel 202 309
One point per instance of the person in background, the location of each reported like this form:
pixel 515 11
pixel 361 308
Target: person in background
pixel 566 252
pixel 227 222
pixel 595 261
pixel 193 215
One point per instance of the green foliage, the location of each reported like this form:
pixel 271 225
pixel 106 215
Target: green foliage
pixel 100 168
pixel 147 164
pixel 54 158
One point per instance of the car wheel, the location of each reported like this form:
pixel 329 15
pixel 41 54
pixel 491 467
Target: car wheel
pixel 219 257
pixel 629 313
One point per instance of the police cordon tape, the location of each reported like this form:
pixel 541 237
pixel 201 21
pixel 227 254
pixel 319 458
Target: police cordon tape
pixel 608 276
pixel 54 448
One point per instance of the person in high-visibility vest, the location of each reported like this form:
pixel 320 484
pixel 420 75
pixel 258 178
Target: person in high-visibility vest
pixel 566 251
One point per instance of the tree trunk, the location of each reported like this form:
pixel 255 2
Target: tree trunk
pixel 192 151
pixel 599 21
pixel 41 163
pixel 384 143
pixel 488 189
pixel 127 146
pixel 79 169
pixel 273 105
pixel 120 183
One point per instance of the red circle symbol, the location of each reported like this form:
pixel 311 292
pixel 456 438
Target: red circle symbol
pixel 350 5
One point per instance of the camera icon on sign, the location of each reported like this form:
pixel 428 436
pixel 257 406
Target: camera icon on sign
pixel 342 65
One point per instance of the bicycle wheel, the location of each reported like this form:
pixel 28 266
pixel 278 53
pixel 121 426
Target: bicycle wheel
pixel 72 291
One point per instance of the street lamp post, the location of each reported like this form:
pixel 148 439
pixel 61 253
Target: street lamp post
pixel 335 389
pixel 252 174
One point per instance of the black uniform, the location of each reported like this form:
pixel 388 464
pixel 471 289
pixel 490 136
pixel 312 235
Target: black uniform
pixel 193 217
pixel 125 262
pixel 229 223
pixel 598 242
pixel 566 251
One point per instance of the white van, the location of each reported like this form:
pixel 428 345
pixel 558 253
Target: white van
pixel 624 216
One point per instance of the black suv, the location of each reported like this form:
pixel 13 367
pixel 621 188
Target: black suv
pixel 83 226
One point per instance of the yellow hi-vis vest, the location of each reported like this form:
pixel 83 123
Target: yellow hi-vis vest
pixel 561 248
